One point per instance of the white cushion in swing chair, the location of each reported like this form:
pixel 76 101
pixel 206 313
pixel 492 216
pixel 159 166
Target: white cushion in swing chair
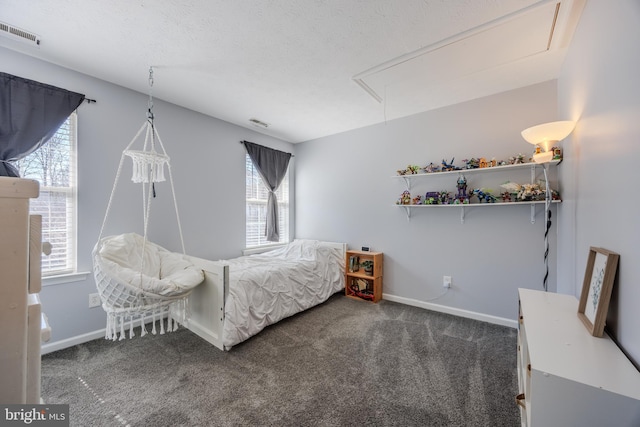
pixel 164 273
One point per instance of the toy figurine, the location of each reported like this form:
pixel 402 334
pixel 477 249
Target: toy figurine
pixel 484 195
pixel 472 163
pixel 431 168
pixel 449 166
pixel 405 198
pixel 417 200
pixel 412 169
pixel 462 187
pixel 557 153
pixel 482 163
pixel 444 197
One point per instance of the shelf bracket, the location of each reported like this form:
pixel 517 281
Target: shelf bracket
pixel 408 211
pixel 533 213
pixel 533 173
pixel 462 215
pixel 407 183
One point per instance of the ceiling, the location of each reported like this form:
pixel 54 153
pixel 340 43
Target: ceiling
pixel 307 68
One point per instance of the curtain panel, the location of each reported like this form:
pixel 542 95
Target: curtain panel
pixel 272 166
pixel 30 114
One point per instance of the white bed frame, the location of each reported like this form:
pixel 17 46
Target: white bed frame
pixel 206 302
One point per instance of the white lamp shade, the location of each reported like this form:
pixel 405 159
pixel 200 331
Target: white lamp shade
pixel 548 134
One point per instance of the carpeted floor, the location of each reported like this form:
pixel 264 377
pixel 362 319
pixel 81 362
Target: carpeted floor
pixel 343 363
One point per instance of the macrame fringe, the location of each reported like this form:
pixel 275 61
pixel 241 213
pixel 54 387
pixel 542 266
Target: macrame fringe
pixel 177 313
pixel 148 166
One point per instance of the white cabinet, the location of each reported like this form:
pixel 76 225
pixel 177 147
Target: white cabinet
pixel 566 377
pixel 534 169
pixel 20 274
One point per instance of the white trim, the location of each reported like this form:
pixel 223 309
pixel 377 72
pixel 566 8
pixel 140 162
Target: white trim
pixel 452 310
pixel 65 278
pixel 70 342
pixel 90 336
pixel 263 248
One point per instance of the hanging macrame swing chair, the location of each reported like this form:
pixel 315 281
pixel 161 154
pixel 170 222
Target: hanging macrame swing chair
pixel 138 280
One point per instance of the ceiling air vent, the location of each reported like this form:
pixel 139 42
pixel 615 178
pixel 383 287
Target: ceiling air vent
pixel 16 33
pixel 259 123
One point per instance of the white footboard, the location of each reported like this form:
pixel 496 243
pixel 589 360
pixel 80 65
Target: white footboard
pixel 206 302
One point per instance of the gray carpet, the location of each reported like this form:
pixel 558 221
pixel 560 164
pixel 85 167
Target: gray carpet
pixel 343 363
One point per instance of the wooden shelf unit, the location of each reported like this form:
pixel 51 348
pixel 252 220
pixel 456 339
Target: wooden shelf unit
pixel 373 290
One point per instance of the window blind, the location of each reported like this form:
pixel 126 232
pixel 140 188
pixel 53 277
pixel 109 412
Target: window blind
pixel 54 166
pixel 256 207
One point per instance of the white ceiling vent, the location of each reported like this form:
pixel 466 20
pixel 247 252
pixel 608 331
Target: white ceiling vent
pixel 258 123
pixel 18 34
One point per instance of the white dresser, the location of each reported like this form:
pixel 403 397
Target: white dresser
pixel 21 320
pixel 566 377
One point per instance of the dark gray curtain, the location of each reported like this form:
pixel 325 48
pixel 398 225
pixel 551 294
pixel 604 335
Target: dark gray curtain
pixel 272 166
pixel 30 114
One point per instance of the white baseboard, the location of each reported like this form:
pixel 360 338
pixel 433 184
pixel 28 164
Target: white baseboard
pixel 452 310
pixel 70 342
pixel 90 336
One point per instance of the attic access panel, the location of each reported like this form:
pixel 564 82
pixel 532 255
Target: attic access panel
pixel 506 40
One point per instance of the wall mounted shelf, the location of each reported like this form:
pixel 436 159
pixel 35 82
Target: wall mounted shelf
pixel 462 208
pixel 408 179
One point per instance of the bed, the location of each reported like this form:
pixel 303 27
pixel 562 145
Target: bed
pixel 240 297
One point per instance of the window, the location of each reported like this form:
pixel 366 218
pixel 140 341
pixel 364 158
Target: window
pixel 256 195
pixel 54 166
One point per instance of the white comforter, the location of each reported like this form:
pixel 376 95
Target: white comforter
pixel 268 287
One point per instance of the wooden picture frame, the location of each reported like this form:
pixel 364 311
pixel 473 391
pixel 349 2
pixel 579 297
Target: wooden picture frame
pixel 596 289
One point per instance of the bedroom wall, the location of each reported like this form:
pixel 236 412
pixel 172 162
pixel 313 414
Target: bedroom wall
pixel 599 88
pixel 209 175
pixel 345 192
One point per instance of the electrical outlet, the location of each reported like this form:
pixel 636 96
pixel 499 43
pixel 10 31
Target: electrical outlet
pixel 94 300
pixel 446 281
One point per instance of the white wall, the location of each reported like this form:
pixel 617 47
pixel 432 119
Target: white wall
pixel 208 167
pixel 599 88
pixel 344 192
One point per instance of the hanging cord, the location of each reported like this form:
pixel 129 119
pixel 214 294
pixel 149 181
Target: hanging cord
pixel 115 183
pixel 547 221
pixel 173 192
pixel 150 136
pixel 152 189
pixel 150 102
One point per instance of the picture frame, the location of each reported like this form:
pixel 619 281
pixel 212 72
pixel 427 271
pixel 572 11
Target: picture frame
pixel 596 289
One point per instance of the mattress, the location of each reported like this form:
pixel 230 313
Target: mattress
pixel 266 288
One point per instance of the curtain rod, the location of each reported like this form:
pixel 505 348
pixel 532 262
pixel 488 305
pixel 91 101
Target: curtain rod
pixel 242 142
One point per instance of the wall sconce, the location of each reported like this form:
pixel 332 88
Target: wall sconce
pixel 545 137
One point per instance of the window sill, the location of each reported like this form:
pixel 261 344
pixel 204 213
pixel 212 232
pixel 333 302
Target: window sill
pixel 64 278
pixel 261 249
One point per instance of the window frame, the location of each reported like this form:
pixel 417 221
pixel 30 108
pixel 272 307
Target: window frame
pixel 70 231
pixel 253 181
